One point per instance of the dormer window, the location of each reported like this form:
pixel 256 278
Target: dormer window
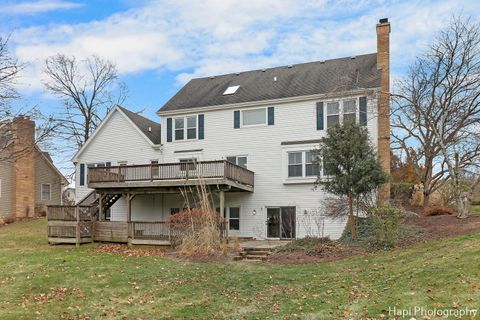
pixel 231 90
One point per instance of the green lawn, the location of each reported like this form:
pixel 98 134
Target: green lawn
pixel 54 282
pixel 476 209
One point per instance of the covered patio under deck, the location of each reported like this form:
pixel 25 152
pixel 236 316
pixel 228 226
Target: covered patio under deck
pixel 162 179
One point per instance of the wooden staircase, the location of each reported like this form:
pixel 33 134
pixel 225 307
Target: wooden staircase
pixel 254 254
pixel 92 199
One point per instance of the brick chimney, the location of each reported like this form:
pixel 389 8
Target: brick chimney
pixel 23 167
pixel 383 64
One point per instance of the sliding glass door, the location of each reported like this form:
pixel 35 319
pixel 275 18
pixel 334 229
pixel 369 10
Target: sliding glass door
pixel 281 222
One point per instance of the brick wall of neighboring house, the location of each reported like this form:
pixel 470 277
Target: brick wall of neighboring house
pixel 46 174
pixel 383 62
pixel 24 168
pixel 6 182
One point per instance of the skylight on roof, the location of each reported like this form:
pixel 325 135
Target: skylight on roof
pixel 231 90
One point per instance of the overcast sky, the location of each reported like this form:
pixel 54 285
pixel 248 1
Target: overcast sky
pixel 159 45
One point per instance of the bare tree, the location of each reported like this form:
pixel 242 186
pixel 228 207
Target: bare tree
pixel 87 88
pixel 10 70
pixel 437 107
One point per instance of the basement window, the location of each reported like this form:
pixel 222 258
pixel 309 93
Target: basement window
pixel 231 90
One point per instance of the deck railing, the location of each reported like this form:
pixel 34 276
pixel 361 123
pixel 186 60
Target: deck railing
pixel 69 213
pixel 150 230
pixel 220 169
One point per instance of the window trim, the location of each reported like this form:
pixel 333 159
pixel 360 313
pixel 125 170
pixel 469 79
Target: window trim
pixel 304 179
pixel 49 191
pixel 185 128
pixel 302 164
pixel 265 124
pixel 341 110
pixel 237 219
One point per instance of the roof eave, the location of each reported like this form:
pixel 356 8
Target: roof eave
pixel 268 102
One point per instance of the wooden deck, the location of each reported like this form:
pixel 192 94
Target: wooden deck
pixel 171 175
pixel 76 225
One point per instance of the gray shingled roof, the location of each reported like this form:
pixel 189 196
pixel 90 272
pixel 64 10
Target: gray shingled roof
pixel 144 125
pixel 304 79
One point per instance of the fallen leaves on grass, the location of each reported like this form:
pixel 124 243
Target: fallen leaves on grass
pixel 55 294
pixel 129 252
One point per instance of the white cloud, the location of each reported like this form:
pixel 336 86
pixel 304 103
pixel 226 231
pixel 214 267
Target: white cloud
pixel 199 38
pixel 35 7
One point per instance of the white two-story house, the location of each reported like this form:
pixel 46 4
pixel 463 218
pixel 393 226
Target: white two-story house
pixel 247 136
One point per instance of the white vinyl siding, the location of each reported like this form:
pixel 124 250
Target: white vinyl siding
pixel 120 143
pixel 268 159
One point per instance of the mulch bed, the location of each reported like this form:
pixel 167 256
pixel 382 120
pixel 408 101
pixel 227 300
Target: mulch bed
pixel 329 252
pixel 434 227
pixel 444 226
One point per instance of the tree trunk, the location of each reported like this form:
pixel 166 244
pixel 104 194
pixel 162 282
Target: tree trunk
pixel 463 206
pixel 426 199
pixel 351 218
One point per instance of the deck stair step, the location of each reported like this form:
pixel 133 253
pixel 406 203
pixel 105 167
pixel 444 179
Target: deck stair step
pixel 253 254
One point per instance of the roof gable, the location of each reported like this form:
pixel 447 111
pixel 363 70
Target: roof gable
pixel 313 78
pixel 149 128
pixel 138 122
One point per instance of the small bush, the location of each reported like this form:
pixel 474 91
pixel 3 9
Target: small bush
pixel 386 222
pixel 197 232
pixel 439 211
pixel 402 191
pixel 381 229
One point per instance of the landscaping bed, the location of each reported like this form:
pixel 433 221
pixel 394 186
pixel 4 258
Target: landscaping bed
pixel 417 228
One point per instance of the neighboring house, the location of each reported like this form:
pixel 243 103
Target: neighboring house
pixel 29 181
pixel 248 135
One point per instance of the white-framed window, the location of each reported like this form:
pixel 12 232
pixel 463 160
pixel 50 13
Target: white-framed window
pixel 238 160
pixel 312 168
pixel 46 191
pixel 188 164
pixel 179 128
pixel 350 110
pixel 333 113
pixel 185 128
pixel 122 163
pixel 339 111
pixel 155 168
pixel 295 164
pixel 254 117
pixel 234 218
pixel 302 164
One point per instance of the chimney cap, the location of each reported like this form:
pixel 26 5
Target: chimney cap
pixel 383 20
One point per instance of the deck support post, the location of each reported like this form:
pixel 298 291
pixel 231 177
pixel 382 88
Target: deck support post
pixel 100 208
pixel 130 197
pixel 77 229
pixel 221 194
